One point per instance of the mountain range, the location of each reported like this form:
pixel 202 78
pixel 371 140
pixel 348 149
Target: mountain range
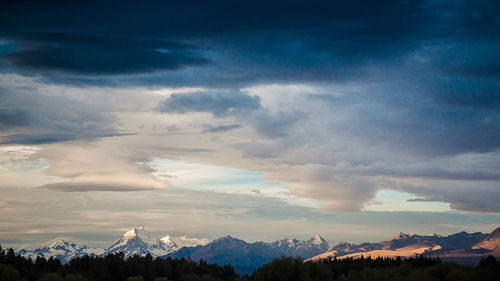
pixel 245 257
pixel 460 247
pixel 61 249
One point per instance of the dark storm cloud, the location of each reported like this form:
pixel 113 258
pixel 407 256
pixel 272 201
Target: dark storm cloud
pixel 438 61
pixel 217 103
pixel 246 41
pixel 92 55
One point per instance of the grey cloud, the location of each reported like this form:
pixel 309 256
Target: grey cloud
pixel 465 196
pixel 424 79
pixel 258 42
pixel 52 138
pixel 217 103
pixel 10 117
pixel 91 186
pixel 273 125
pixel 261 149
pixel 36 138
pixel 190 150
pixel 31 116
pixel 221 129
pixel 420 114
pixel 83 54
pixel 246 108
pixel 428 170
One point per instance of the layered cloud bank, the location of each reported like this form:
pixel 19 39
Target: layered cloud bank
pixel 330 103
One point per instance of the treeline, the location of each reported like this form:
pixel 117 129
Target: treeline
pixel 379 269
pixel 115 267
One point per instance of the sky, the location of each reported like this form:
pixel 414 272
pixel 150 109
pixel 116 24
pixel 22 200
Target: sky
pixel 354 120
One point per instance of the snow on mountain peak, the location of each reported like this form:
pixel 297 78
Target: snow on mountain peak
pixel 137 241
pixel 139 233
pixel 61 248
pixel 317 240
pixel 167 243
pixel 55 243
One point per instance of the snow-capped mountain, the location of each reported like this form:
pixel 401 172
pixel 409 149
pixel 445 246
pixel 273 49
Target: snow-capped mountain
pixel 61 249
pixel 138 242
pixel 245 257
pixel 307 248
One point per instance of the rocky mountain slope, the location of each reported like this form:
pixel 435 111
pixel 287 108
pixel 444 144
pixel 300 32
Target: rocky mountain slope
pixel 245 257
pixel 456 246
pixel 61 249
pixel 138 242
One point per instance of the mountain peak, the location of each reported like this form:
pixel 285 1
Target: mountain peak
pixel 317 240
pixel 398 236
pixel 226 238
pixel 61 248
pixel 495 232
pixel 57 243
pixel 167 243
pixel 137 241
pixel 135 232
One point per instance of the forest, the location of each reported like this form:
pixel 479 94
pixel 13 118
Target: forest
pixel 114 267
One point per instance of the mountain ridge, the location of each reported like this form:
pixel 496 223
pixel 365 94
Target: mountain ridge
pixel 245 256
pixel 458 245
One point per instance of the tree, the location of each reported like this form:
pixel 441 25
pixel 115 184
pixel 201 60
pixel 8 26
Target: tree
pixel 74 277
pixel 50 277
pixel 136 278
pixel 9 273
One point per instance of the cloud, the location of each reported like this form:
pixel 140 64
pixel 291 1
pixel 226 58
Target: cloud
pixel 50 138
pixel 92 55
pixel 246 108
pixel 13 117
pixel 273 125
pixel 184 241
pixel 84 166
pixel 32 116
pixel 397 93
pixel 465 196
pixel 258 43
pixel 221 129
pixel 96 218
pixel 93 186
pixel 218 103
